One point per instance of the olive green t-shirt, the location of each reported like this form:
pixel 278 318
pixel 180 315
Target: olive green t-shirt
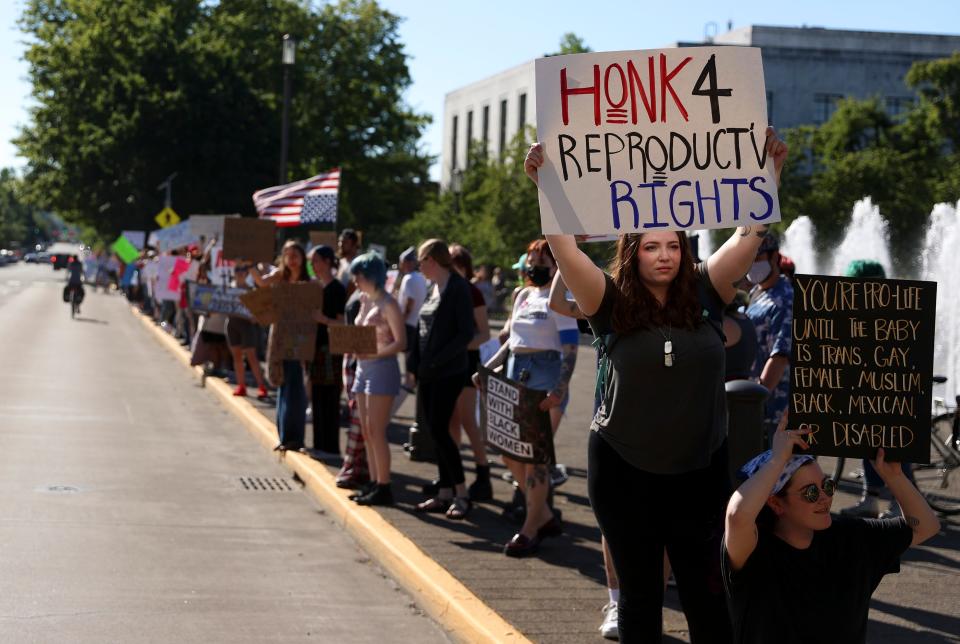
pixel 663 419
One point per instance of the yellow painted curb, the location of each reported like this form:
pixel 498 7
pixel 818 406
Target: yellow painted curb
pixel 438 592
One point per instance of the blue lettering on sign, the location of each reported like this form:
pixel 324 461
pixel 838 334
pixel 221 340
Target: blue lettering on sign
pixel 766 197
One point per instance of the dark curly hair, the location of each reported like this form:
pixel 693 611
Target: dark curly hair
pixel 637 308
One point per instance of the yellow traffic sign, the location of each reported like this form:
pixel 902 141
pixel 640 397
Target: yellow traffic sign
pixel 167 217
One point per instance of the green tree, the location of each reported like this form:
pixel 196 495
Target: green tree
pixel 571 43
pixel 129 91
pixel 20 224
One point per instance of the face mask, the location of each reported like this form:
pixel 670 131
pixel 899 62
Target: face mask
pixel 539 275
pixel 759 272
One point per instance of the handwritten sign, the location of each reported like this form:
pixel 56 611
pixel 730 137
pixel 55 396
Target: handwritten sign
pixel 293 335
pixel 667 139
pixel 174 237
pixel 323 238
pixel 162 290
pixel 862 365
pixel 208 226
pixel 249 239
pixel 206 298
pixel 352 339
pixel 259 302
pixel 136 237
pixel 512 420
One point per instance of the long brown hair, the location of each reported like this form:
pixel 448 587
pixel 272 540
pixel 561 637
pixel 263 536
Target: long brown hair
pixel 637 308
pixel 304 276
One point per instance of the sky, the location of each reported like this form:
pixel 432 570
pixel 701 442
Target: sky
pixel 452 43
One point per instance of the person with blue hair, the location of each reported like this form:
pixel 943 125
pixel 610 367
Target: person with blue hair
pixel 780 545
pixel 377 382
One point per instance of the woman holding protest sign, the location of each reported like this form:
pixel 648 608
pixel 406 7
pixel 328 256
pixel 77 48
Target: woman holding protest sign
pixel 326 381
pixel 781 544
pixel 439 361
pixel 291 396
pixel 243 336
pixel 542 349
pixel 377 381
pixel 659 436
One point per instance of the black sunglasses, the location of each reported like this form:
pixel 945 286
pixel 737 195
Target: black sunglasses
pixel 811 493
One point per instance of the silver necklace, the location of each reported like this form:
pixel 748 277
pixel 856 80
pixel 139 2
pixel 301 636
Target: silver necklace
pixel 667 346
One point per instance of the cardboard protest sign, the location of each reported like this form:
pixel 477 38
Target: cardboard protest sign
pixel 512 420
pixel 862 365
pixel 206 298
pixel 124 250
pixel 352 339
pixel 294 334
pixel 323 238
pixel 208 226
pixel 260 303
pixel 174 237
pixel 667 139
pixel 162 290
pixel 249 239
pixel 136 237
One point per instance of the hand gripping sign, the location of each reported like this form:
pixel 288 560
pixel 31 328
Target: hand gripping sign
pixel 666 139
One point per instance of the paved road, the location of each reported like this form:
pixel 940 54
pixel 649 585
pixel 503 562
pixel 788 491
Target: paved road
pixel 123 511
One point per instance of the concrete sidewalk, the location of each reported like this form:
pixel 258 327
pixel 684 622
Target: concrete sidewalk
pixel 557 596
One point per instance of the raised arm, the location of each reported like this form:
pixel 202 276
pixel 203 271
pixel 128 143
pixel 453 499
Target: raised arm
pixel 741 521
pixel 916 510
pixel 559 302
pixel 731 261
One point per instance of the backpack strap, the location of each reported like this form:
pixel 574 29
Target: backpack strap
pixel 604 344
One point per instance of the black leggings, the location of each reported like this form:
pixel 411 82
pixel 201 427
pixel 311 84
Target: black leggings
pixel 640 514
pixel 326 417
pixel 438 399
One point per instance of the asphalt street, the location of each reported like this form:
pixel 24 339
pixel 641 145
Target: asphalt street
pixel 134 508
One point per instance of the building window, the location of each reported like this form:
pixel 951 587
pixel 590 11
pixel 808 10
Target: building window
pixel 769 107
pixel 503 127
pixel 453 144
pixel 824 105
pixel 485 126
pixel 897 105
pixel 469 138
pixel 522 113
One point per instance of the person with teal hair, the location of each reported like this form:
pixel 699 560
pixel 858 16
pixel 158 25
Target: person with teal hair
pixel 873 485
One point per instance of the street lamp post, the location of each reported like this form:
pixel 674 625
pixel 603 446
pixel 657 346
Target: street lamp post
pixel 287 60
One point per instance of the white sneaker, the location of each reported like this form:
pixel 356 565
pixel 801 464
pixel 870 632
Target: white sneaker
pixel 309 415
pixel 609 628
pixel 868 507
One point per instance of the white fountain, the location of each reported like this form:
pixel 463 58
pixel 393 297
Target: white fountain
pixel 940 263
pixel 797 244
pixel 865 237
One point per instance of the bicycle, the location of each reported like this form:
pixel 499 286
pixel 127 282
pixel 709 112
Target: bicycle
pixel 934 479
pixel 74 302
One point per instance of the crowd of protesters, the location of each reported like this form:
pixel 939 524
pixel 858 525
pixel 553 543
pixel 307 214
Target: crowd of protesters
pixel 670 328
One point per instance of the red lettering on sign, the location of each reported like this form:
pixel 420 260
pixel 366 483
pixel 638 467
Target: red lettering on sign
pixel 566 91
pixel 665 86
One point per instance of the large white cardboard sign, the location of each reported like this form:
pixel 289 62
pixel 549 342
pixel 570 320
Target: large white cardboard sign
pixel 660 139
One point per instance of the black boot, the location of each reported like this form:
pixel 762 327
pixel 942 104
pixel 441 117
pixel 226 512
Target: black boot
pixel 364 490
pixel 481 489
pixel 381 495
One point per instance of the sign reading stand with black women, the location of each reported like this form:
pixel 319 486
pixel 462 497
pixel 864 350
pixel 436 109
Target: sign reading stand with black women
pixel 512 420
pixel 862 365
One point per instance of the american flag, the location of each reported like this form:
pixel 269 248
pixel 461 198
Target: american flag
pixel 310 201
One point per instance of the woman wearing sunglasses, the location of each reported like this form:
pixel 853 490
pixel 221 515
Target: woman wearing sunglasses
pixel 781 546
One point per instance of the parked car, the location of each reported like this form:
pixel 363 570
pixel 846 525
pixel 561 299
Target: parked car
pixel 8 257
pixel 31 258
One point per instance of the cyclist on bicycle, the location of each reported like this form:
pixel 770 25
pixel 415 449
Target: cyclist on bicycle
pixel 781 548
pixel 74 281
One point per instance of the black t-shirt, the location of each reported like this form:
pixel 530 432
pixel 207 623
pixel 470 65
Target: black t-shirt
pixel 334 303
pixel 663 419
pixel 817 595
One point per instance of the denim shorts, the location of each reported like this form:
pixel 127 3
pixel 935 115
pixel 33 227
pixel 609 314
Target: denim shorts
pixel 379 377
pixel 539 370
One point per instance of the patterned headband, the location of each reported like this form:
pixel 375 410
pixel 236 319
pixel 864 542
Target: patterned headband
pixel 794 464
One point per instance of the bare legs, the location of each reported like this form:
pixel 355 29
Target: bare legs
pixel 374 418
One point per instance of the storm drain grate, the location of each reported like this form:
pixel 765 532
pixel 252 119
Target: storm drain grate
pixel 261 484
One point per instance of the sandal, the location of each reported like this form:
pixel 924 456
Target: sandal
pixel 459 508
pixel 435 505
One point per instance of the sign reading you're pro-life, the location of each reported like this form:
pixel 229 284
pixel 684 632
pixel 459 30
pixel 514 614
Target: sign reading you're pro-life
pixel 667 139
pixel 861 368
